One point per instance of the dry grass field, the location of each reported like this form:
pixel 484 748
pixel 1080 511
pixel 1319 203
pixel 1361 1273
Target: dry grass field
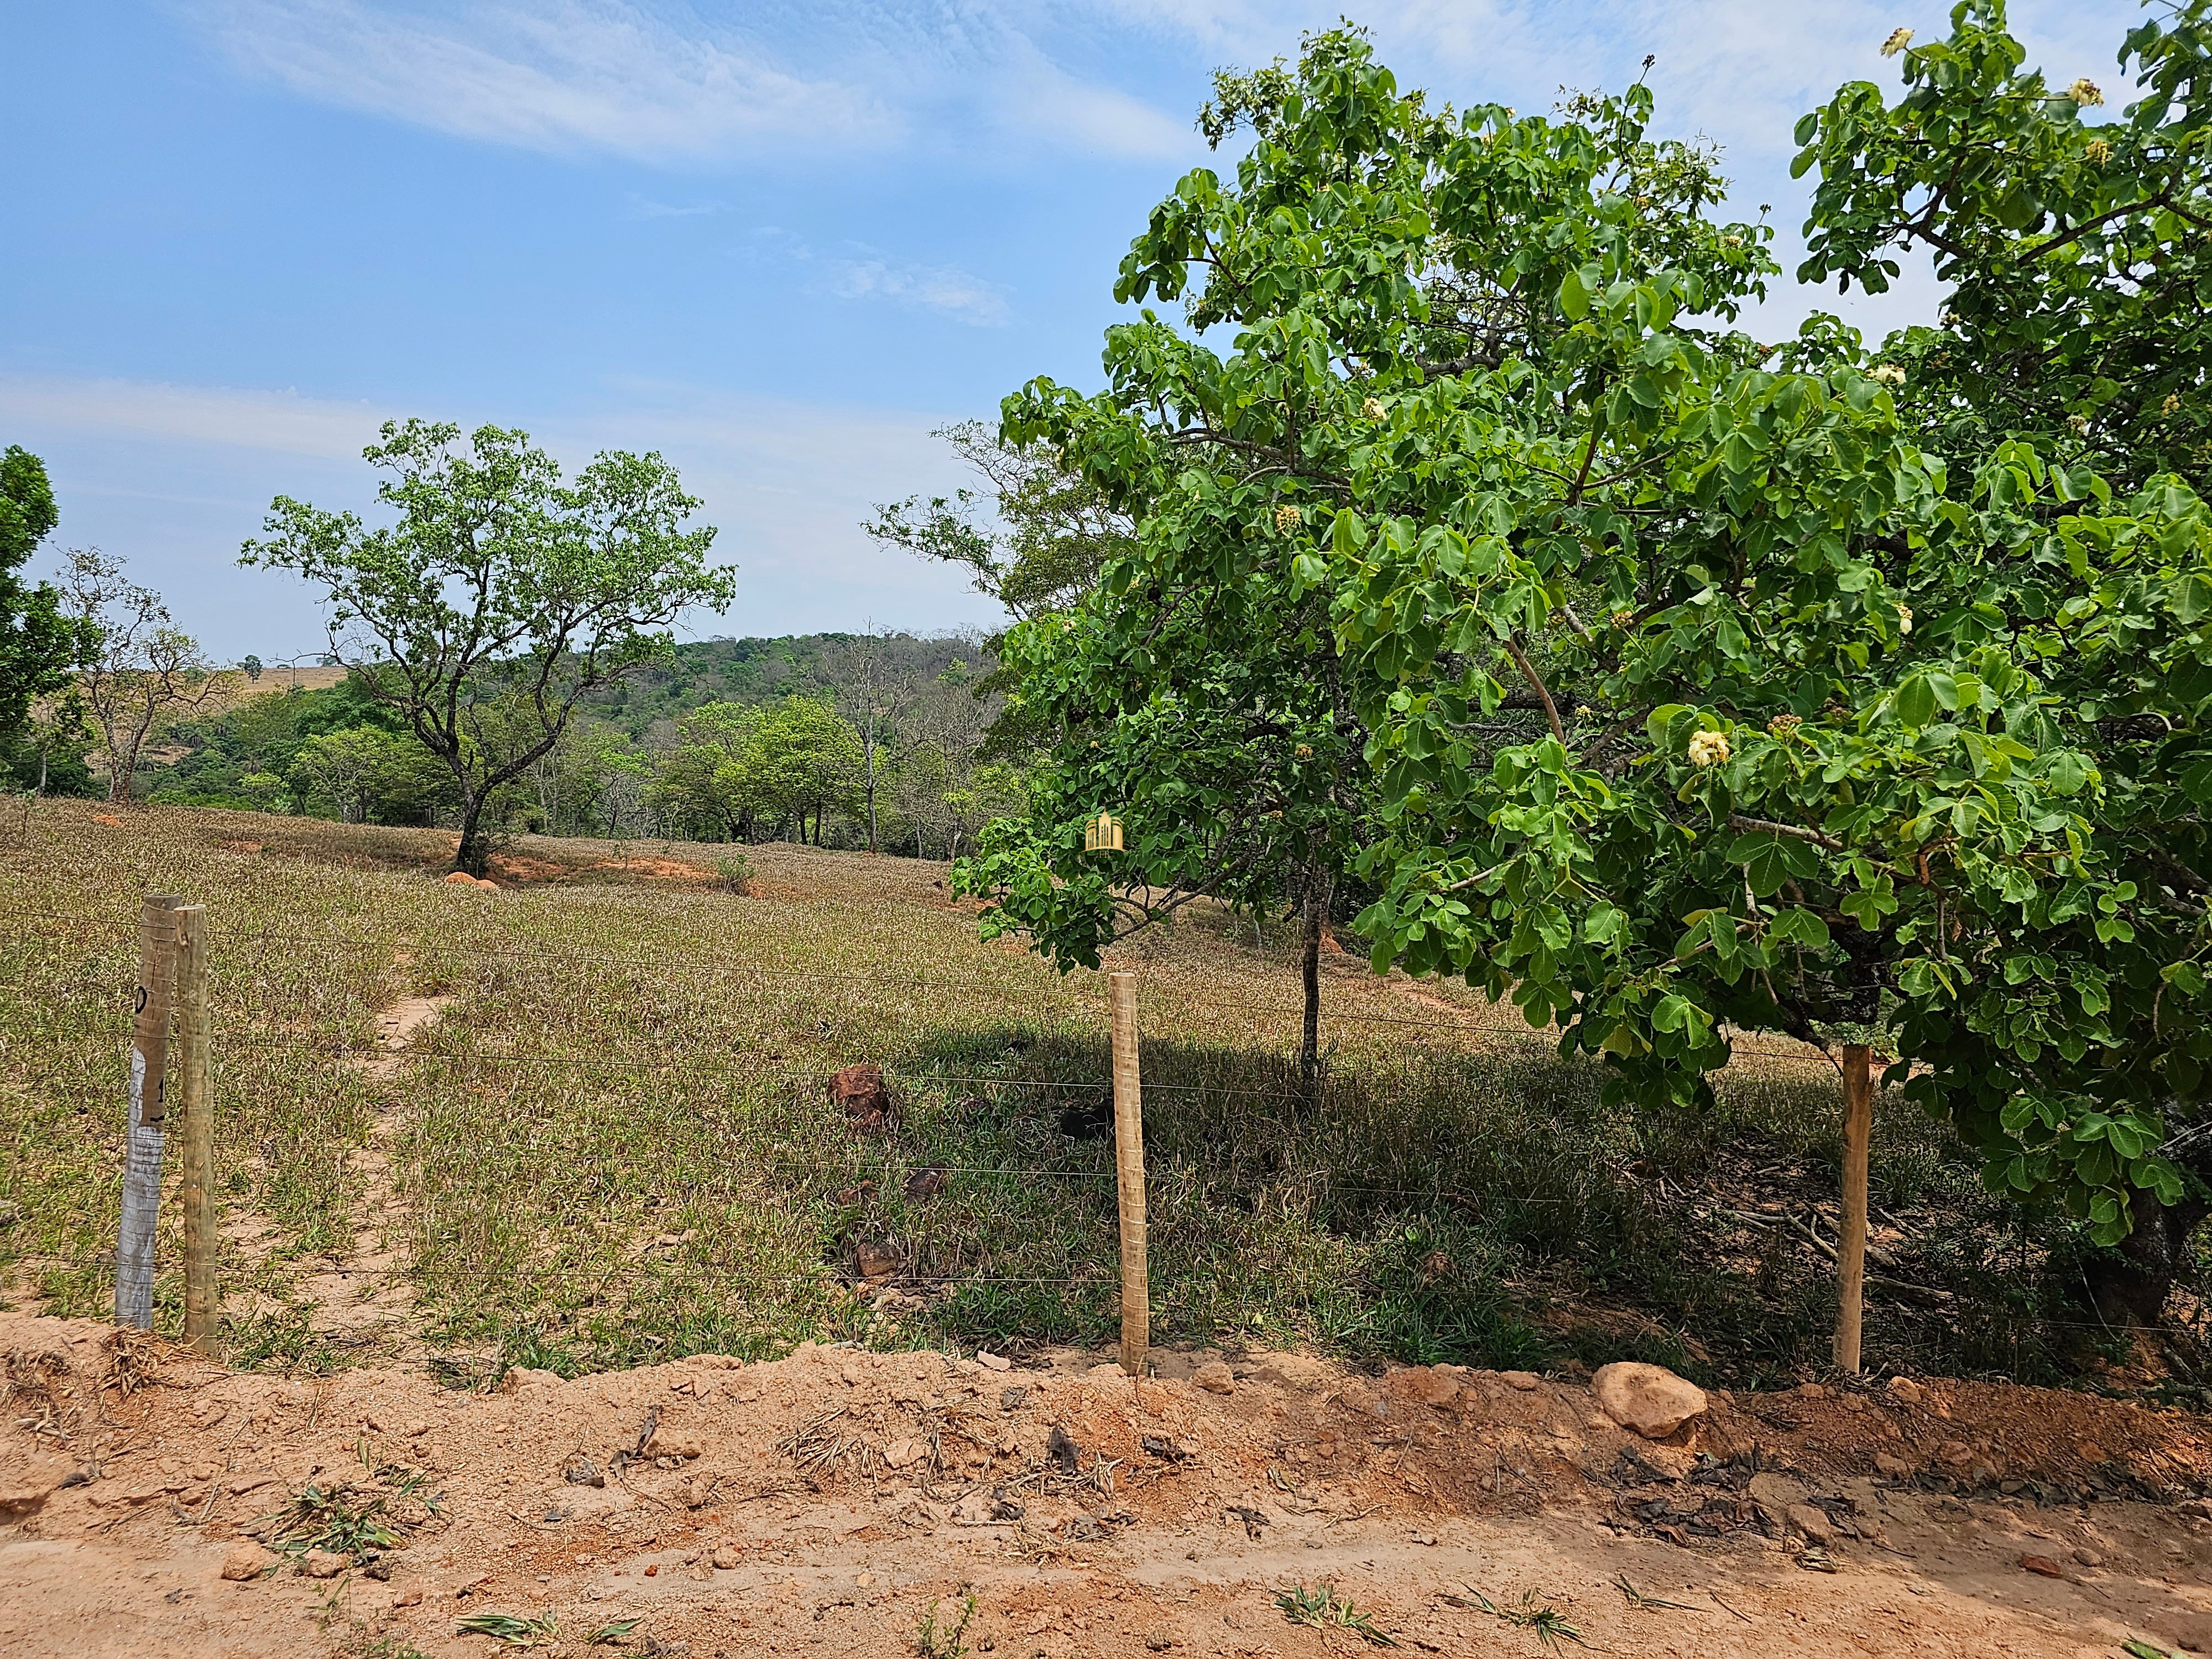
pixel 584 1122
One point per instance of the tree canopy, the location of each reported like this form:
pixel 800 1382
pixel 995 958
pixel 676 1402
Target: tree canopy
pixel 1850 700
pixel 35 641
pixel 502 595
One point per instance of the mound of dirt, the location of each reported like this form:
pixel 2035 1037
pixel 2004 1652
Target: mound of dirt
pixel 826 1503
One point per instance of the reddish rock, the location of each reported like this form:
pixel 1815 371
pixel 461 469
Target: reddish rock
pixel 1525 1382
pixel 247 1561
pixel 460 878
pixel 2042 1565
pixel 1215 1377
pixel 860 1089
pixel 1426 1385
pixel 1647 1399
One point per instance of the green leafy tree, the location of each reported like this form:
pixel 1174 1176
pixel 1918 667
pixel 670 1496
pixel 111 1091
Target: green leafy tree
pixel 1822 713
pixel 502 595
pixel 365 775
pixel 807 761
pixel 1035 538
pixel 2063 397
pixel 706 784
pixel 36 643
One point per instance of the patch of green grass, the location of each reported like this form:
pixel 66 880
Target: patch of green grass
pixel 1323 1609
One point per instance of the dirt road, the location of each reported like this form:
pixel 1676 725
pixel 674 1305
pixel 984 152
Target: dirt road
pixel 824 1504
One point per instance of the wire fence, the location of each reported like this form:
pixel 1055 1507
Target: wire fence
pixel 1068 1000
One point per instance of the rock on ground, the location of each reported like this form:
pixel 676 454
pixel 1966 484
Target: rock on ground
pixel 1647 1399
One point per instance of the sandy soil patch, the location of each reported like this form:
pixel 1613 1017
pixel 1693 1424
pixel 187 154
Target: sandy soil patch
pixel 821 1504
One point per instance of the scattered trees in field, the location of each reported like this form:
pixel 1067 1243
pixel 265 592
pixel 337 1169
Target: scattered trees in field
pixel 502 596
pixel 135 671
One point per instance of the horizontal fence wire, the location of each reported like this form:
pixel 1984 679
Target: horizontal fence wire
pixel 803 980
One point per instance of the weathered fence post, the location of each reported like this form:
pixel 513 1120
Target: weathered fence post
pixel 142 1157
pixel 1850 1252
pixel 1130 1171
pixel 195 1121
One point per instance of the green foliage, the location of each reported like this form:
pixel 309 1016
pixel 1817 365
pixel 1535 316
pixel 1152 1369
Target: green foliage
pixel 36 643
pixel 1887 711
pixel 1324 1609
pixel 502 595
pixel 735 769
pixel 949 1642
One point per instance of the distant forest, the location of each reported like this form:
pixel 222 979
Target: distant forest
pixel 839 740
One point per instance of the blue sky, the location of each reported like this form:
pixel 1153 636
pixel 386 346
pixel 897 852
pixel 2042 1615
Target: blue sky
pixel 777 241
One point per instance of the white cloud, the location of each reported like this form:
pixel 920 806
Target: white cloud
pixel 941 289
pixel 865 273
pixel 649 80
pixel 564 75
pixel 175 478
pixel 282 422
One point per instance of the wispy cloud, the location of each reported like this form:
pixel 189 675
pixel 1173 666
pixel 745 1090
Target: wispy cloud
pixel 177 475
pixel 643 207
pixel 241 417
pixel 566 75
pixel 651 79
pixel 862 272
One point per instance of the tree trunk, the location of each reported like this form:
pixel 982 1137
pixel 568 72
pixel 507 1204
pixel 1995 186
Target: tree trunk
pixel 473 856
pixel 1317 893
pixel 2130 1283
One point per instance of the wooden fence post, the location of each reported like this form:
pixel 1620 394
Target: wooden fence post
pixel 1850 1253
pixel 196 1121
pixel 142 1158
pixel 1130 1171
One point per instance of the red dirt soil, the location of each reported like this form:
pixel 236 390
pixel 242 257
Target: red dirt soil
pixel 819 1504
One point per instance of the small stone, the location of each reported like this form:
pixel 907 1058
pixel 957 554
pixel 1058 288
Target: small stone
pixel 408 1598
pixel 1906 1389
pixel 522 1376
pixel 204 1471
pixel 860 1089
pixel 2200 1507
pixel 993 1362
pixel 1649 1400
pixel 902 1454
pixel 322 1563
pixel 417 1428
pixel 1525 1382
pixel 1956 1453
pixel 2088 1558
pixel 1215 1377
pixel 671 1442
pixel 246 1561
pixel 1813 1391
pixel 2042 1567
pixel 1426 1385
pixel 1814 1523
pixel 1893 1466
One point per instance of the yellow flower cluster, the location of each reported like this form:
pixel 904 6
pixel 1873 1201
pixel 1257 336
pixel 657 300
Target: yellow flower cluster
pixel 2085 93
pixel 2097 152
pixel 1887 374
pixel 1904 619
pixel 1373 410
pixel 1708 748
pixel 1898 41
pixel 1288 517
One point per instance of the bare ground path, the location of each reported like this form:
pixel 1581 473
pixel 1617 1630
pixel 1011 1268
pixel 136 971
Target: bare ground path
pixel 822 1503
